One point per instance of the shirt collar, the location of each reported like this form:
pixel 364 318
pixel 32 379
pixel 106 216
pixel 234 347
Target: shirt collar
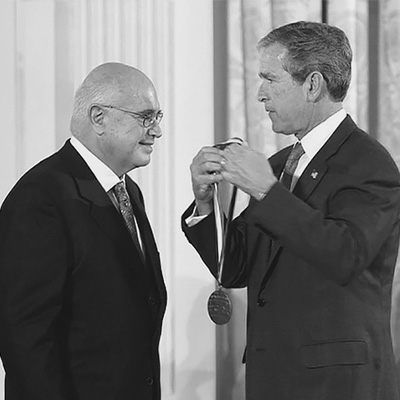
pixel 317 137
pixel 106 177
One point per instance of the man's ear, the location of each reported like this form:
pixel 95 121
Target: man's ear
pixel 315 85
pixel 96 117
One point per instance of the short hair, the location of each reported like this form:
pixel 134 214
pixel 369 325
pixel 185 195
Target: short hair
pixel 314 46
pixel 88 93
pixel 105 84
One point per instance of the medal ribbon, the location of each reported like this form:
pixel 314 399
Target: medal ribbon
pixel 222 231
pixel 219 304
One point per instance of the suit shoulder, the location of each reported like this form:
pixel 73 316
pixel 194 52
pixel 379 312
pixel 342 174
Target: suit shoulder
pixel 42 177
pixel 371 150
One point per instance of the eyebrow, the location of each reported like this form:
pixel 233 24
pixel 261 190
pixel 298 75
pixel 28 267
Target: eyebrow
pixel 147 112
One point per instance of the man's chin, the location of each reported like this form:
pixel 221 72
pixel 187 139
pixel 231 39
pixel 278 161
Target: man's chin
pixel 279 131
pixel 139 163
pixel 145 160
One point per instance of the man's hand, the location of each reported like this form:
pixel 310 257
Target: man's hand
pixel 247 169
pixel 205 170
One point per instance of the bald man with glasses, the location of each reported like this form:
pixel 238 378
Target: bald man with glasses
pixel 82 296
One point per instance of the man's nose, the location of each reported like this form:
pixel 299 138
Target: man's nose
pixel 262 95
pixel 155 130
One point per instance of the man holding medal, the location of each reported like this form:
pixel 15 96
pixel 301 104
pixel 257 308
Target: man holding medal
pixel 317 245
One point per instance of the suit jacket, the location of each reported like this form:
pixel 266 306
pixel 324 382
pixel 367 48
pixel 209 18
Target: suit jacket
pixel 318 264
pixel 80 312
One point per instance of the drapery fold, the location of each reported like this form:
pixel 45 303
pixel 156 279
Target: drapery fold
pixel 388 121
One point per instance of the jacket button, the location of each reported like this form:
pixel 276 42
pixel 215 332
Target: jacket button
pixel 149 380
pixel 261 302
pixel 152 301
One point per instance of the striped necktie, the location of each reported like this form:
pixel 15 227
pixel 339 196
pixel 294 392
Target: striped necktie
pixel 291 165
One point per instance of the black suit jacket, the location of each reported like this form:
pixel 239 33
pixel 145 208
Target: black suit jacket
pixel 80 313
pixel 318 264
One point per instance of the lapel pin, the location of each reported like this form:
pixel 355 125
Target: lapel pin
pixel 314 174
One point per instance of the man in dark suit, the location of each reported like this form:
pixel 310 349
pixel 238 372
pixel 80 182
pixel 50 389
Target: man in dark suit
pixel 82 296
pixel 316 247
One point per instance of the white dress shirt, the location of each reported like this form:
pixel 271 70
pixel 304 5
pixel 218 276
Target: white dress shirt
pixel 313 141
pixel 106 177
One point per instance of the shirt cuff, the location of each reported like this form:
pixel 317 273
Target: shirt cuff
pixel 194 219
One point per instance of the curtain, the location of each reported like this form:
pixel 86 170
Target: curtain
pixel 373 100
pixel 388 117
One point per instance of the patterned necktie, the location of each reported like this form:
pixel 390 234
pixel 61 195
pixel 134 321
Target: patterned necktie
pixel 291 165
pixel 125 207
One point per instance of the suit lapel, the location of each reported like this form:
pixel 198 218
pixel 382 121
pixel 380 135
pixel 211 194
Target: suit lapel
pixel 102 209
pixel 310 179
pixel 109 219
pixel 277 162
pixel 148 241
pixel 318 166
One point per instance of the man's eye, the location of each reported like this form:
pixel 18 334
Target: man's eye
pixel 146 116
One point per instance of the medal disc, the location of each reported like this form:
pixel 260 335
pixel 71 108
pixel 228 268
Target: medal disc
pixel 219 307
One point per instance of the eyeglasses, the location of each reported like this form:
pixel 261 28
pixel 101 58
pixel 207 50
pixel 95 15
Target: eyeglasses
pixel 146 120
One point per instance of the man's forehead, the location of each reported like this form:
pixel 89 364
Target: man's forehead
pixel 275 50
pixel 142 100
pixel 272 58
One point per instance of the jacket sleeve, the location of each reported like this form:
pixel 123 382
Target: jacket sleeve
pixel 33 275
pixel 359 219
pixel 203 238
pixel 352 221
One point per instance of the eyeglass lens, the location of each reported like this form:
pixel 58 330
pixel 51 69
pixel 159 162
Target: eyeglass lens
pixel 151 120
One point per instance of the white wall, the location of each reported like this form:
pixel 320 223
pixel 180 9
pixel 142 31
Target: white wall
pixel 47 48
